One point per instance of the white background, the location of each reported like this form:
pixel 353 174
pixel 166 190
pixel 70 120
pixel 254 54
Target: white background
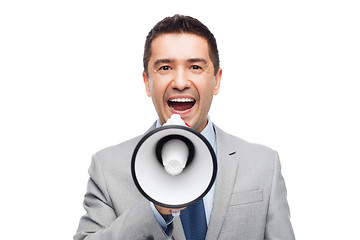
pixel 71 85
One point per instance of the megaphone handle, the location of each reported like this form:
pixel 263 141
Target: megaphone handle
pixel 175 212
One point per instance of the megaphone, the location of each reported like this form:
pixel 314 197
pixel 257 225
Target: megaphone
pixel 173 166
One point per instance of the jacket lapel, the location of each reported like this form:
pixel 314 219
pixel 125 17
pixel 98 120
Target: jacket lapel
pixel 227 169
pixel 178 232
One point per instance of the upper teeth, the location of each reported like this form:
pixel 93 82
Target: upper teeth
pixel 182 100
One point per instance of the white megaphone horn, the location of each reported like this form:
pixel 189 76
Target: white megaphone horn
pixel 173 166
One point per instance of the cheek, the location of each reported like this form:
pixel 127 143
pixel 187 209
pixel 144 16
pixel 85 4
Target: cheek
pixel 206 91
pixel 158 91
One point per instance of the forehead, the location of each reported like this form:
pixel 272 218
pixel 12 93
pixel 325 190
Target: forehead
pixel 179 46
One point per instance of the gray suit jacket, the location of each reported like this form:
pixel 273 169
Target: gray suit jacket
pixel 249 202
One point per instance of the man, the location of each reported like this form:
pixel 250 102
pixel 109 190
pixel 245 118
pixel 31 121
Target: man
pixel 248 200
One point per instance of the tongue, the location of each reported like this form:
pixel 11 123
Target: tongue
pixel 180 106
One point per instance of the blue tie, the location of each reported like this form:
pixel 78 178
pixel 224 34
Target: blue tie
pixel 193 219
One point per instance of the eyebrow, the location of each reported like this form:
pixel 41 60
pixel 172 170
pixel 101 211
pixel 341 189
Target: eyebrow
pixel 171 60
pixel 195 60
pixel 163 60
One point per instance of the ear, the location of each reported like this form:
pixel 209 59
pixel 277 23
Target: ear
pixel 217 81
pixel 147 84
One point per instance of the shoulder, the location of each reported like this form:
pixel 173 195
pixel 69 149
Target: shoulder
pixel 239 143
pixel 116 156
pixel 119 152
pixel 120 148
pixel 247 151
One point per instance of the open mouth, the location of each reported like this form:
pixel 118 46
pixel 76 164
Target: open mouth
pixel 181 104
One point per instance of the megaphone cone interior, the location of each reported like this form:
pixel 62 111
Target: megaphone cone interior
pixel 173 166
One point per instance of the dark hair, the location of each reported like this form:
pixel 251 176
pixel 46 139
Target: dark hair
pixel 181 24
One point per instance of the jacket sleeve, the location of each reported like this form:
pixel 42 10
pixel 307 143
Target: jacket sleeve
pixel 278 225
pixel 101 220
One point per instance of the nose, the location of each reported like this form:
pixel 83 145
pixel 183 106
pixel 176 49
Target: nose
pixel 181 81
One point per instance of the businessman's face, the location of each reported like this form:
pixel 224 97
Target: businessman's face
pixel 181 78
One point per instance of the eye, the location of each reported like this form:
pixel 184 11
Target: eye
pixel 196 67
pixel 165 68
